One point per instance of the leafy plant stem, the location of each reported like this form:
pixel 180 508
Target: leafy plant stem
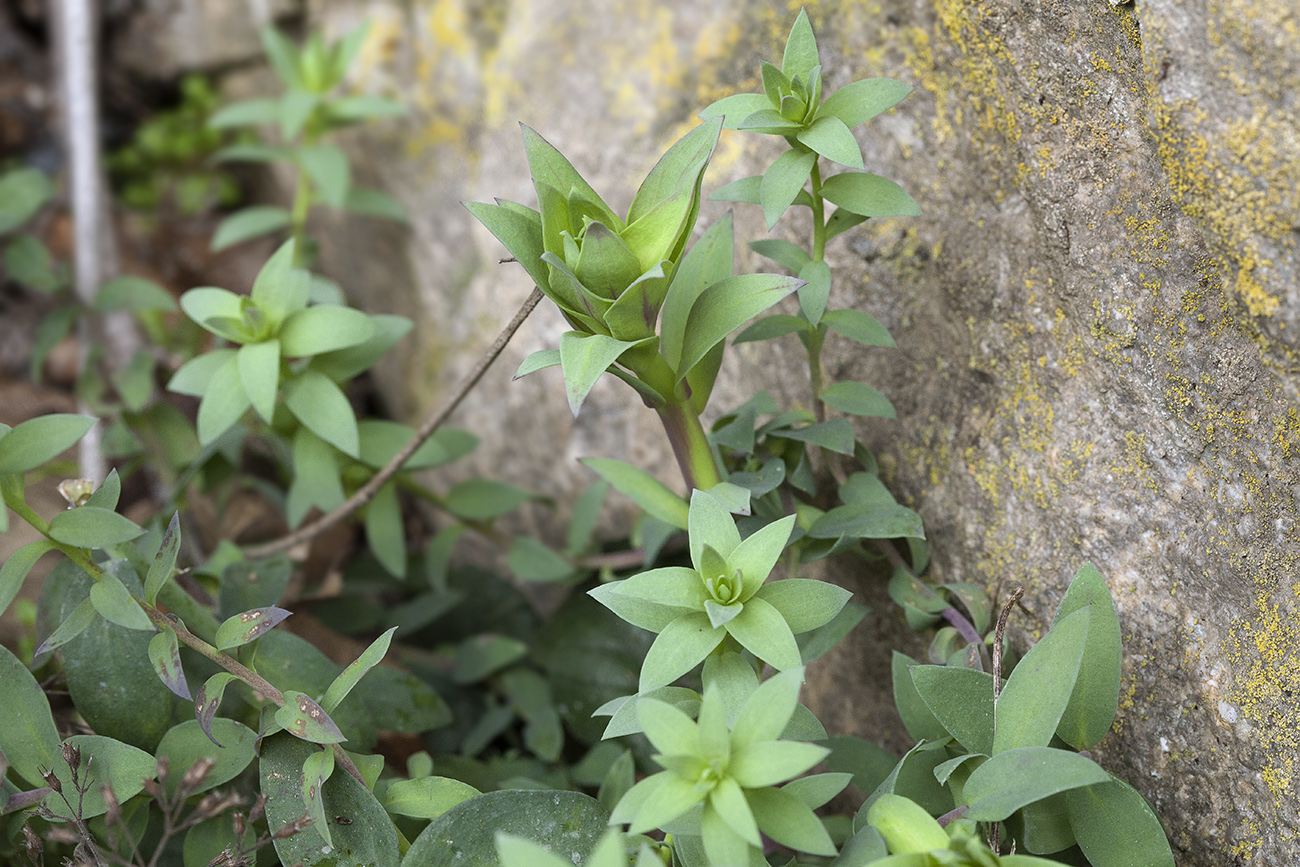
pixel 819 214
pixel 690 445
pixel 11 494
pixel 814 342
pixel 431 424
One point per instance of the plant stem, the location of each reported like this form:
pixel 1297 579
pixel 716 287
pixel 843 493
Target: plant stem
pixel 819 214
pixel 431 424
pixel 298 220
pixel 12 496
pixel 690 445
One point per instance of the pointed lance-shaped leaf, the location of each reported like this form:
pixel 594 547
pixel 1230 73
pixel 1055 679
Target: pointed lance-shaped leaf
pixel 725 306
pixel 208 699
pixel 800 49
pixel 35 441
pixel 303 718
pixel 549 166
pixel 584 357
pixel 783 180
pixel 248 626
pixel 351 675
pixel 869 195
pixel 862 100
pixel 164 654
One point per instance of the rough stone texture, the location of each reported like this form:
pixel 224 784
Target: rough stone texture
pixel 1096 319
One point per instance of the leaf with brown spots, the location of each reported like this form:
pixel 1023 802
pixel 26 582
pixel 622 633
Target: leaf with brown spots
pixel 164 653
pixel 209 699
pixel 248 626
pixel 303 718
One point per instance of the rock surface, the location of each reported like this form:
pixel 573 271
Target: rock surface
pixel 1096 319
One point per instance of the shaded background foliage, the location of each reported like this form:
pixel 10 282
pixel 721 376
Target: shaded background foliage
pixel 1095 318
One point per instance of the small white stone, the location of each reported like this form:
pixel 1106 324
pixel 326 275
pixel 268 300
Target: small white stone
pixel 1228 712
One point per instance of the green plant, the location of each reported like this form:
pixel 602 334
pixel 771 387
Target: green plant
pixel 307 111
pixel 500 698
pixel 165 166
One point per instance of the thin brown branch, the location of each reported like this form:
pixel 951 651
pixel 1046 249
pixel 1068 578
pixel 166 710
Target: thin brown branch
pixel 995 833
pixel 431 424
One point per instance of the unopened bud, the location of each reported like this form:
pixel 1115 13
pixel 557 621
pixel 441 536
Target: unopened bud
pixel 52 781
pixel 197 773
pixel 35 848
pixel 291 828
pixel 72 755
pixel 259 807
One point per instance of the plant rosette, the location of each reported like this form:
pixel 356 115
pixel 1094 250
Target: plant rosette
pixel 720 781
pixel 726 594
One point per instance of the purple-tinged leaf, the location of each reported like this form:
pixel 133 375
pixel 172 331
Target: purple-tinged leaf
pixel 24 800
pixel 164 561
pixel 209 699
pixel 164 653
pixel 248 626
pixel 303 718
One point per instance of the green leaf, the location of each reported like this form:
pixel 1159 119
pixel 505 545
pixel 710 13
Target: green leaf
pixel 134 383
pixel 1019 777
pixel 1036 694
pixel 164 562
pixel 484 499
pixel 725 306
pixel 56 325
pixel 164 653
pixel 568 824
pixel 532 560
pixel 584 357
pixel 763 632
pixel 316 771
pixel 918 719
pixel 208 699
pixel 735 108
pixel 643 489
pixel 905 825
pixel 805 604
pixel 707 262
pixel 22 193
pixel 303 718
pixel 121 767
pixel 329 170
pixel 1093 703
pixel 841 221
pixel 745 190
pixel 15 569
pixel 322 407
pixel 224 401
pixel 1116 827
pixel 782 182
pixel 133 294
pixel 296 107
pixel 800 49
pixel 539 360
pixel 37 440
pixel 354 108
pixel 384 531
pixel 28 739
pixel 351 675
pixel 315 477
pixel 836 435
pixel 961 699
pixel 858 326
pixel 868 522
pixel 815 291
pixel 681 646
pixel 283 56
pixel 114 603
pixel 186 743
pixel 858 398
pixel 426 797
pixel 248 223
pixel 769 327
pixel 484 655
pixel 521 235
pixel 361 828
pixel 829 137
pixel 248 626
pixel 280 289
pixel 343 364
pixel 863 762
pixel 869 195
pixel 677 171
pixel 253 152
pixel 374 203
pixel 816 643
pixel 92 527
pixel 548 166
pixel 324 329
pixel 195 376
pixel 259 372
pixel 787 254
pixel 862 100
pixel 247 112
pixel 30 264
